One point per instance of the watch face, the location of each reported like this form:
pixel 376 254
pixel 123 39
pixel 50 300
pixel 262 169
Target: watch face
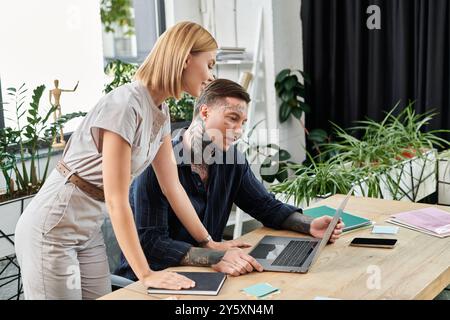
pixel 204 242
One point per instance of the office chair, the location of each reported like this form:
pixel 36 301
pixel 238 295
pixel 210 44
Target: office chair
pixel 113 251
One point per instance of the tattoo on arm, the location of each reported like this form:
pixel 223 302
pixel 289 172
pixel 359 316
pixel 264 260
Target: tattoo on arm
pixel 297 222
pixel 201 257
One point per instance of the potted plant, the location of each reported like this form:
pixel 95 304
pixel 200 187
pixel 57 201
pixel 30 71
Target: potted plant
pixel 315 181
pixel 395 153
pixel 181 110
pixel 291 92
pixel 117 13
pixel 380 164
pixel 120 73
pixel 26 153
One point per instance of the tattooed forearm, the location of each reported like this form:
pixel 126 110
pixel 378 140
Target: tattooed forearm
pixel 297 222
pixel 201 257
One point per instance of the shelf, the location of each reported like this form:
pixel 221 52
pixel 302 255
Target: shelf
pixel 234 62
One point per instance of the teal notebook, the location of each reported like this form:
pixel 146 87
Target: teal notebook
pixel 351 221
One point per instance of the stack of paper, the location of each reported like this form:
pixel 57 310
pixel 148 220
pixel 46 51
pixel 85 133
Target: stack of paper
pixel 433 221
pixel 231 53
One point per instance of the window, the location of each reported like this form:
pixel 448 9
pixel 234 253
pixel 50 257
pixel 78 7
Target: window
pixel 47 40
pixel 2 120
pixel 34 56
pixel 148 17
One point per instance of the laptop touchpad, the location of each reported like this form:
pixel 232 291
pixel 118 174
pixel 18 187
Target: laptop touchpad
pixel 267 251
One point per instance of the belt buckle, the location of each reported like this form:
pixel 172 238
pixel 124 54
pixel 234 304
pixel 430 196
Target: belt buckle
pixel 69 174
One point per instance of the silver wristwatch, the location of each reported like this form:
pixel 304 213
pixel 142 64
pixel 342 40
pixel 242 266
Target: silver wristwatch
pixel 205 242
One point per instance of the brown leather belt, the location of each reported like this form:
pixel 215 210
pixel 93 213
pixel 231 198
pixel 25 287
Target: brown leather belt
pixel 90 189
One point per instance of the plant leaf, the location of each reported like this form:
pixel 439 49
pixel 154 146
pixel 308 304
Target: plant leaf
pixel 297 112
pixel 290 82
pixel 317 135
pixel 285 111
pixel 282 74
pixel 282 155
pixel 305 107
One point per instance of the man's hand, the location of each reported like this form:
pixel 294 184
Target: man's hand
pixel 236 262
pixel 225 245
pixel 320 225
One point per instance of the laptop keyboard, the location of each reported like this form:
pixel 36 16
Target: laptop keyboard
pixel 295 253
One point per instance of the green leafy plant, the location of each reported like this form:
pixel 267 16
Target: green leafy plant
pixel 22 144
pixel 122 73
pixel 182 109
pixel 115 13
pixel 315 180
pixel 409 127
pixel 291 91
pixel 395 138
pixel 275 164
pixel 376 160
pixel 292 94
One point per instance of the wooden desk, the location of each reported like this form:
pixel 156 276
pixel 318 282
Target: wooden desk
pixel 417 268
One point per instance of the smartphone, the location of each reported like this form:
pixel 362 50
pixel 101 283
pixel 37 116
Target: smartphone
pixel 373 242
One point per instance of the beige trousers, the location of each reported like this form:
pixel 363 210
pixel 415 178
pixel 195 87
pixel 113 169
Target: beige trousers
pixel 59 244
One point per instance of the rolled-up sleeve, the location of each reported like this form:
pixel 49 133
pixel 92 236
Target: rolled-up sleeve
pixel 253 198
pixel 118 115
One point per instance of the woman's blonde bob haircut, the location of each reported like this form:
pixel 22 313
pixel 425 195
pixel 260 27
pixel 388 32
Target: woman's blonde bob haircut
pixel 163 68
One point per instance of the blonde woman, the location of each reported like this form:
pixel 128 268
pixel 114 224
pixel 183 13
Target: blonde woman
pixel 59 243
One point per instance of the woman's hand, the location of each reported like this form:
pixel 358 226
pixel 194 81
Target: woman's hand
pixel 225 245
pixel 167 280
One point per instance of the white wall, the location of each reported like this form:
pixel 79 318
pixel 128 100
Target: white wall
pixel 236 25
pixel 182 10
pixel 288 53
pixel 53 39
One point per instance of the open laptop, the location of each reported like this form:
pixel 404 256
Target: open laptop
pixel 294 254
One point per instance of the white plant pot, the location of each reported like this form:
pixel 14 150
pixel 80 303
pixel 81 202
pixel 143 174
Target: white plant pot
pixel 424 174
pixel 397 183
pixel 361 188
pixel 444 180
pixel 10 212
pixel 411 180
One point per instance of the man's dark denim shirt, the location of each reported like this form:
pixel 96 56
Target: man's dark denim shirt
pixel 164 239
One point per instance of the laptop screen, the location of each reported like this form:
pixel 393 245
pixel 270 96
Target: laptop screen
pixel 331 226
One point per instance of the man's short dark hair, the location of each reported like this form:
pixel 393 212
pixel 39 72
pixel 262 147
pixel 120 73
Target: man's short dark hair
pixel 217 91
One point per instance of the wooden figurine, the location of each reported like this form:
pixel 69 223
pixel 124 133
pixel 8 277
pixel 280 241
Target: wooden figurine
pixel 56 94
